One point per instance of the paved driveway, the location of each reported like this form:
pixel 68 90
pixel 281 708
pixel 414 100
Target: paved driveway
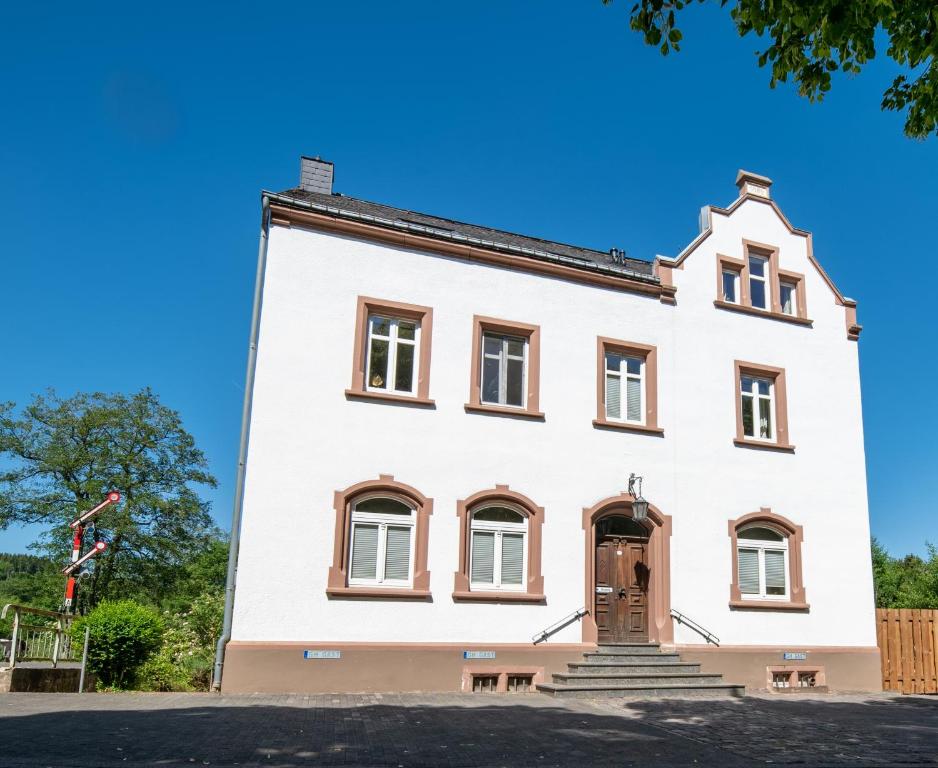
pixel 420 731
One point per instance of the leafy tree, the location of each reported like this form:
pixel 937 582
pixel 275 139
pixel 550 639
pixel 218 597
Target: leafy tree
pixel 908 582
pixel 809 40
pixel 123 635
pixel 63 455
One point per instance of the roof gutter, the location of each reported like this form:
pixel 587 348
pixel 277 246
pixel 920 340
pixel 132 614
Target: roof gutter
pixel 457 237
pixel 235 540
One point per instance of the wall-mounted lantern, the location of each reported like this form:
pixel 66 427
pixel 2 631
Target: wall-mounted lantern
pixel 639 503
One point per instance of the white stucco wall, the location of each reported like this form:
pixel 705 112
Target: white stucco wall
pixel 308 440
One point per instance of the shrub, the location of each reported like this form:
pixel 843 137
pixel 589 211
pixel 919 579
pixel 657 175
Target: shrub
pixel 123 636
pixel 160 673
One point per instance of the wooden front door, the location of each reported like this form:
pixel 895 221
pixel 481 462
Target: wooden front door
pixel 621 599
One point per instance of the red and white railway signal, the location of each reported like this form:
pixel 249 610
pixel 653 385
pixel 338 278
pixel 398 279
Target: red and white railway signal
pixel 78 525
pixel 112 498
pixel 99 547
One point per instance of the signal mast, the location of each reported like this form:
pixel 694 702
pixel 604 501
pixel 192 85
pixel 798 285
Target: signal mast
pixel 79 559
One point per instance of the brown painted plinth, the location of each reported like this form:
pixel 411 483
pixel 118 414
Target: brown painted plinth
pixel 844 669
pixel 35 679
pixel 270 667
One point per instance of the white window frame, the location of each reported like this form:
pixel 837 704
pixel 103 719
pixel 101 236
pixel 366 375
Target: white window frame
pixel 498 529
pixel 503 358
pixel 393 340
pixel 794 297
pixel 762 546
pixel 756 397
pixel 383 522
pixel 763 278
pixel 734 274
pixel 624 376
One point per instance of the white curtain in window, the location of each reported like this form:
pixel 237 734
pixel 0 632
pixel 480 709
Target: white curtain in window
pixel 397 554
pixel 613 397
pixel 749 571
pixel 512 558
pixel 483 557
pixel 634 399
pixel 774 572
pixel 364 552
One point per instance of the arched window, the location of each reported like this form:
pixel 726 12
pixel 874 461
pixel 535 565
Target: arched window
pixel 498 550
pixel 381 543
pixel 762 555
pixel 766 550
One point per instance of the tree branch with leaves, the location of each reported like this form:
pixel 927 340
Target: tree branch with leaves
pixel 809 40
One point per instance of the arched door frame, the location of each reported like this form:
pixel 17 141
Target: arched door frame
pixel 660 623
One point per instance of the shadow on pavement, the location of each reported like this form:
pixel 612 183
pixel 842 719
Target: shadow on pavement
pixel 417 731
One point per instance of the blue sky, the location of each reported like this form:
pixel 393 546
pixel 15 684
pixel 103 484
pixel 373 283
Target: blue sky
pixel 135 140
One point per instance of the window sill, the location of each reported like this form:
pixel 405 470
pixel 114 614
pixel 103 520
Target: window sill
pixel 719 304
pixel 626 427
pixel 769 605
pixel 420 402
pixel 379 593
pixel 503 410
pixel 741 442
pixel 498 597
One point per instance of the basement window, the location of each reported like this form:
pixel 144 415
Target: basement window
pixel 484 683
pixel 807 679
pixel 781 679
pixel 520 683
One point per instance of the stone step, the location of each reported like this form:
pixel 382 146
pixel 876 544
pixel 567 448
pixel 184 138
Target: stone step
pixel 656 658
pixel 659 691
pixel 597 680
pixel 628 647
pixel 629 667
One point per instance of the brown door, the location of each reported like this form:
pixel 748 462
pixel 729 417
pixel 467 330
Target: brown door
pixel 621 600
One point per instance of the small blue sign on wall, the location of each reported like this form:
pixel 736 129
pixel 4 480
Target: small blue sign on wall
pixel 795 656
pixel 478 654
pixel 322 654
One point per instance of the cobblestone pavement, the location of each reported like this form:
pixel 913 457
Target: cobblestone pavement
pixel 450 731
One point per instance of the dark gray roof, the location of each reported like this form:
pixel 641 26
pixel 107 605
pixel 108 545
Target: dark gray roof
pixel 448 229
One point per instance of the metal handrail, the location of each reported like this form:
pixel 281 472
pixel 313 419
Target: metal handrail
pixel 705 633
pixel 37 642
pixel 541 636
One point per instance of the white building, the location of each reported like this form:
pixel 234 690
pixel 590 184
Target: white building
pixel 443 419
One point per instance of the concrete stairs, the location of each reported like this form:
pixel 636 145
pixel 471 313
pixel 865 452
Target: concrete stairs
pixel 629 670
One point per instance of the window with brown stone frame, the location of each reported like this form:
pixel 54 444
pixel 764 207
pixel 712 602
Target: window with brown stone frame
pixel 391 357
pixel 381 541
pixel 756 285
pixel 505 372
pixel 626 386
pixel 766 563
pixel 761 407
pixel 499 548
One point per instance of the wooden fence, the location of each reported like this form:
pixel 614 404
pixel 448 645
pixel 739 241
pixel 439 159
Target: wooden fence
pixel 908 647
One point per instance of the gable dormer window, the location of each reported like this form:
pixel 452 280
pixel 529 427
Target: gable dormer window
pixel 758 280
pixel 730 286
pixel 756 285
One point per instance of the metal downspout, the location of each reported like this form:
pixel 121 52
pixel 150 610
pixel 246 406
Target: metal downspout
pixel 243 448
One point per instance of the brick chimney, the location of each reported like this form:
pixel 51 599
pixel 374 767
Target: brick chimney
pixel 316 175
